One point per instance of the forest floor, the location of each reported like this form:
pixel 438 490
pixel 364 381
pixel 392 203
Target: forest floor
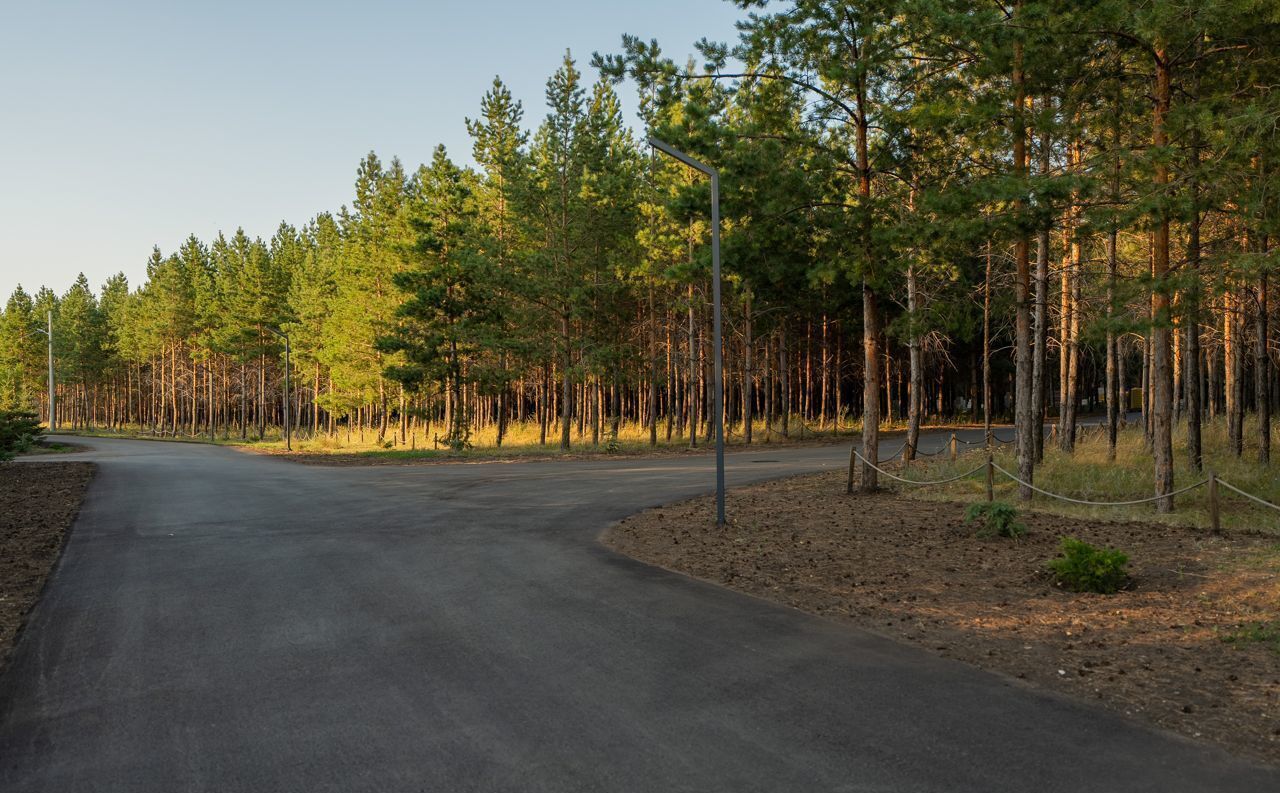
pixel 1191 645
pixel 38 503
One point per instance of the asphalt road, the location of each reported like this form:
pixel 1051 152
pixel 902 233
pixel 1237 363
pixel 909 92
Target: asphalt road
pixel 226 622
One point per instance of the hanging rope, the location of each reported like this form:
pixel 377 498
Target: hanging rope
pixel 1249 496
pixel 998 440
pixel 918 481
pixel 1042 491
pixel 1099 503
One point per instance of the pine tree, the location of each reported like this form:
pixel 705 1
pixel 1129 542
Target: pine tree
pixel 21 353
pixel 553 272
pixel 450 314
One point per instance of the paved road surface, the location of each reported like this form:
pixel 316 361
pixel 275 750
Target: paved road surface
pixel 226 622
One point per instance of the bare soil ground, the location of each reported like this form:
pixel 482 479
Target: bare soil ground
pixel 38 503
pixel 1192 645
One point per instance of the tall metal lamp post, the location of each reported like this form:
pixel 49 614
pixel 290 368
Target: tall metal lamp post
pixel 718 396
pixel 48 332
pixel 288 423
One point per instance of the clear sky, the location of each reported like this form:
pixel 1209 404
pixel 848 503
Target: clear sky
pixel 129 124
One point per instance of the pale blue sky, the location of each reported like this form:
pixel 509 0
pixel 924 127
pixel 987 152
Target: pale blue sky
pixel 131 124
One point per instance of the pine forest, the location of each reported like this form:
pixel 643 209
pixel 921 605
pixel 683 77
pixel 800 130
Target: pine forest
pixel 932 210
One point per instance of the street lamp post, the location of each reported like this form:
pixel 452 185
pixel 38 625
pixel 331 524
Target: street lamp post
pixel 48 332
pixel 288 423
pixel 718 396
pixel 53 414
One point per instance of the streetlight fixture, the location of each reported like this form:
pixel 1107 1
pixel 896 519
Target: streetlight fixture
pixel 718 396
pixel 288 424
pixel 53 414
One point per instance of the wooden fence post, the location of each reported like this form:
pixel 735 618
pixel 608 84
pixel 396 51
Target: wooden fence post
pixel 848 488
pixel 1214 518
pixel 953 447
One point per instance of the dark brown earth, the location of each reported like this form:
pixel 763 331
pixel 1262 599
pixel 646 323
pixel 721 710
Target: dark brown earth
pixel 1192 645
pixel 38 503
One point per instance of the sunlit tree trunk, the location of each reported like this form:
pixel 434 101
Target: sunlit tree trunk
pixel 1161 380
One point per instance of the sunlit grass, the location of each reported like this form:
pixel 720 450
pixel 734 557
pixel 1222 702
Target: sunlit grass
pixel 522 439
pixel 1088 474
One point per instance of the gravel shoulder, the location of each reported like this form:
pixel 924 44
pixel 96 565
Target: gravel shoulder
pixel 38 503
pixel 1192 645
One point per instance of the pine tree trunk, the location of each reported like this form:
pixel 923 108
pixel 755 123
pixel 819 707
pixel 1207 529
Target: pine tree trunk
pixel 544 408
pixel 173 389
pixel 1041 318
pixel 748 376
pixel 652 414
pixel 1161 381
pixel 1071 344
pixel 870 388
pixel 1064 328
pixel 1194 380
pixel 986 361
pixel 826 371
pixel 598 398
pixel 916 382
pixel 1024 413
pixel 1113 381
pixel 1262 372
pixel 315 401
pixel 1233 357
pixel 615 422
pixel 839 377
pixel 692 401
pixel 890 395
pixel 672 392
pixel 566 384
pixel 1216 377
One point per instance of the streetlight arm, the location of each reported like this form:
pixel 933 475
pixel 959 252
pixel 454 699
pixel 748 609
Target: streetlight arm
pixel 666 148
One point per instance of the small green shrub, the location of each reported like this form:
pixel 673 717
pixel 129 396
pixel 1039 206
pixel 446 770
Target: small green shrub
pixel 1085 568
pixel 19 430
pixel 997 518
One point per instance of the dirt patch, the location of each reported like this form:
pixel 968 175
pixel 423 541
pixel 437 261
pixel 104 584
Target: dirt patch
pixel 1192 645
pixel 38 503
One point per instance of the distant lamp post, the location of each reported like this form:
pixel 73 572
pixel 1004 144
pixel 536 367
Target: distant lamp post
pixel 288 423
pixel 718 397
pixel 48 332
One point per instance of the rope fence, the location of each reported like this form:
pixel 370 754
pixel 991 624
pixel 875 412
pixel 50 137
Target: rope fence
pixel 994 437
pixel 1212 480
pixel 1249 496
pixel 1061 497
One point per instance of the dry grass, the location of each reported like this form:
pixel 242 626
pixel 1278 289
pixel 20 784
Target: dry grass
pixel 521 439
pixel 1088 474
